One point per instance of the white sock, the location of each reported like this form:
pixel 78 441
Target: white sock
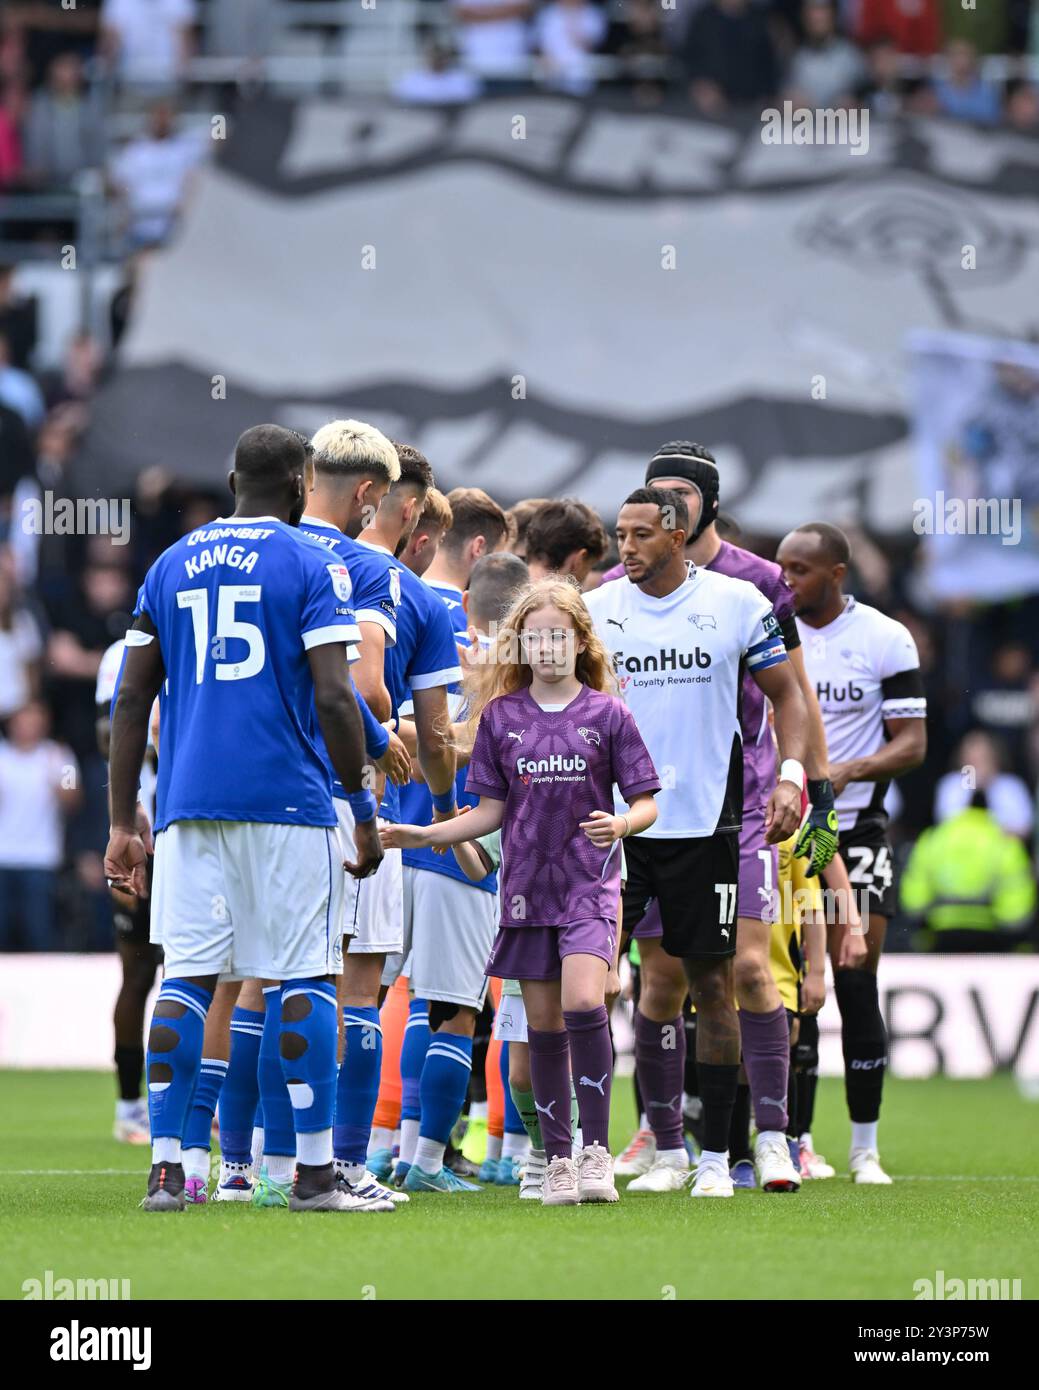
pixel 429 1155
pixel 716 1160
pixel 806 1140
pixel 477 1111
pixel 494 1145
pixel 578 1140
pixel 315 1150
pixel 129 1109
pixel 515 1145
pixel 196 1162
pixel 165 1150
pixel 771 1134
pixel 643 1120
pixel 864 1136
pixel 381 1139
pixel 257 1147
pixel 352 1172
pixel 678 1158
pixel 280 1167
pixel 408 1139
pixel 395 1142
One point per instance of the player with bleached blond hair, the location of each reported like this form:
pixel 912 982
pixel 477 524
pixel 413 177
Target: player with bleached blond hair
pixel 352 448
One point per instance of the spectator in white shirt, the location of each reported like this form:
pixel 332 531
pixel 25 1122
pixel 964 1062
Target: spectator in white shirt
pixel 151 174
pixel 565 33
pixel 492 36
pixel 148 41
pixel 21 643
pixel 978 768
pixel 39 787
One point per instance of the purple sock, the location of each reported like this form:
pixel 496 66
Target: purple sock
pixel 550 1082
pixel 660 1065
pixel 766 1057
pixel 591 1058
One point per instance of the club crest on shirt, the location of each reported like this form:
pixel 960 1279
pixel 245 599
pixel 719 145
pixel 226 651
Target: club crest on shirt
pixel 340 577
pixel 703 621
pixel 858 661
pixel 591 736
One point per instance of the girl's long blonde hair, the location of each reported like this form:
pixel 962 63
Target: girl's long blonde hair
pixel 503 671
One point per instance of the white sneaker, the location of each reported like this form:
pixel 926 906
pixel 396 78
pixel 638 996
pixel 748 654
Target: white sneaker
pixel 132 1127
pixel 337 1198
pixel 865 1168
pixel 236 1183
pixel 375 1195
pixel 370 1189
pixel 669 1173
pixel 595 1183
pixel 560 1188
pixel 813 1165
pixel 638 1157
pixel 532 1176
pixel 712 1180
pixel 772 1162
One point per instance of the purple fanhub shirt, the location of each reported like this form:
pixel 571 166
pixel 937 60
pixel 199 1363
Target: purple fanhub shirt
pixel 759 754
pixel 552 768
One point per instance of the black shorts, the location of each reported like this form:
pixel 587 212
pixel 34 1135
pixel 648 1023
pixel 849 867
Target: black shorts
pixel 132 924
pixel 866 851
pixel 695 883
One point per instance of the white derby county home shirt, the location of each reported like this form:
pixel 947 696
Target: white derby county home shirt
pixel 680 661
pixel 865 668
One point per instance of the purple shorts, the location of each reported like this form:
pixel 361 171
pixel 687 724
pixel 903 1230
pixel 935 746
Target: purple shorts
pixel 759 868
pixel 536 953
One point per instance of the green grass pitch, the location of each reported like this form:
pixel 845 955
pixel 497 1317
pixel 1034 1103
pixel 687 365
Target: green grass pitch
pixel 965 1200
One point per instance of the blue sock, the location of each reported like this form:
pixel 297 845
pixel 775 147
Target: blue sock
pixel 198 1132
pixel 174 1054
pixel 412 1056
pixel 240 1096
pixel 513 1121
pixel 279 1136
pixel 309 1035
pixel 357 1090
pixel 445 1081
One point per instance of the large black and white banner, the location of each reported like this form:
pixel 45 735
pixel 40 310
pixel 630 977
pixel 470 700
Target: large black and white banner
pixel 976 420
pixel 539 291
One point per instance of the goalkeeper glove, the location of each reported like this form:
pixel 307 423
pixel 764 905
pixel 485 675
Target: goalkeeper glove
pixel 818 837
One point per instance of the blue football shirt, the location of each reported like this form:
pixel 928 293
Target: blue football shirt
pixel 376 596
pixel 237 604
pixel 424 656
pixel 416 803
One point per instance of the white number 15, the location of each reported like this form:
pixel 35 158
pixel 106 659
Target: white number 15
pixel 228 596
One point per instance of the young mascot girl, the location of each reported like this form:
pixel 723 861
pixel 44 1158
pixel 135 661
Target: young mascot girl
pixel 550 743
